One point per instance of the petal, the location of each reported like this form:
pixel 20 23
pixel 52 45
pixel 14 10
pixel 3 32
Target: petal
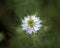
pixel 33 17
pixel 34 31
pixel 29 30
pixel 38 25
pixel 27 18
pixel 24 25
pixel 35 28
pixel 23 21
pixel 24 28
pixel 36 20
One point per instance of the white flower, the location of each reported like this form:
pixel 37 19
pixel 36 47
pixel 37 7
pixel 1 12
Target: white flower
pixel 31 24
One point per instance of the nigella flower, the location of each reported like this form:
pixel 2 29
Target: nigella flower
pixel 31 24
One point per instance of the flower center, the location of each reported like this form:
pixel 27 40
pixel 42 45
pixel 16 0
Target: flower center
pixel 31 23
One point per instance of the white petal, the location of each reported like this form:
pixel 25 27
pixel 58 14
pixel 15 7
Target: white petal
pixel 36 19
pixel 33 17
pixel 29 30
pixel 24 21
pixel 38 25
pixel 24 28
pixel 35 28
pixel 38 22
pixel 27 18
pixel 24 25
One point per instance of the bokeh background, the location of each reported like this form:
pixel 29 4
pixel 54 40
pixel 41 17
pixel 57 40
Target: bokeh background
pixel 11 13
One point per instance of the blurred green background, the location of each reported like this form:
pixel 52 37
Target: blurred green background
pixel 11 34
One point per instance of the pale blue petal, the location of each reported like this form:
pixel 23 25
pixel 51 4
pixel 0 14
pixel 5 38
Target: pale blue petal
pixel 29 30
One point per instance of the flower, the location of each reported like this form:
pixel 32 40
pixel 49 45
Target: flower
pixel 31 24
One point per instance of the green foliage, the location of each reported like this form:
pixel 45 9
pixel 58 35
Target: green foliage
pixel 1 37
